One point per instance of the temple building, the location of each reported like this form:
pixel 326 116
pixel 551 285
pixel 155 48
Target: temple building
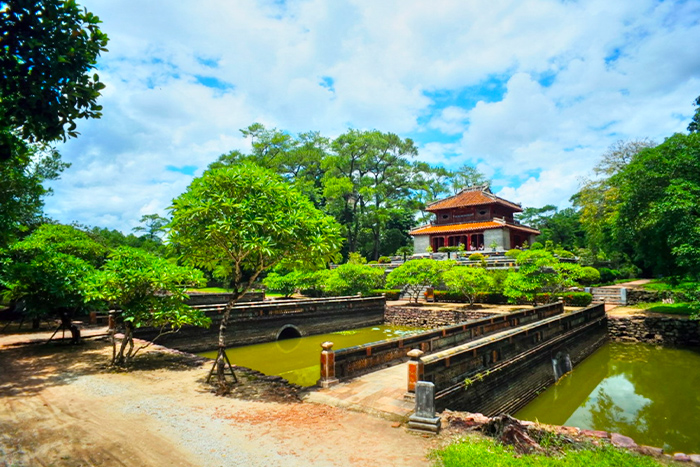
pixel 475 218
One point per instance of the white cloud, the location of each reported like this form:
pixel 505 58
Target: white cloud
pixel 578 76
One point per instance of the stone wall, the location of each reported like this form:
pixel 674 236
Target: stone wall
pixel 655 330
pixel 492 377
pixel 635 296
pixel 216 298
pixel 254 323
pixel 429 318
pixel 353 361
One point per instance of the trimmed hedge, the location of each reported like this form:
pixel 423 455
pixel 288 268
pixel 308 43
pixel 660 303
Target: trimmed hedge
pixel 570 298
pixel 391 294
pixel 482 297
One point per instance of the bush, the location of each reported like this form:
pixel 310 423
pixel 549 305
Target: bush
pixel 564 254
pixel 609 275
pixel 384 260
pixel 537 246
pixel 513 253
pixel 390 294
pixel 481 297
pixel 476 257
pixel 353 278
pixel 590 276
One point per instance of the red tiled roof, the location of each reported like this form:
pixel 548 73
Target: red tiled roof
pixel 473 196
pixel 431 229
pixel 469 227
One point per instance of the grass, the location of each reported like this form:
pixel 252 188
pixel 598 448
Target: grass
pixel 480 451
pixel 669 308
pixel 211 290
pixel 663 285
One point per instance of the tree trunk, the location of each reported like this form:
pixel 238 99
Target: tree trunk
pixel 67 323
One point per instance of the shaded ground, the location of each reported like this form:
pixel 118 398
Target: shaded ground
pixel 62 406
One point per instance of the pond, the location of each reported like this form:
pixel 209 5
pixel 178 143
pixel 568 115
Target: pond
pixel 298 360
pixel 642 391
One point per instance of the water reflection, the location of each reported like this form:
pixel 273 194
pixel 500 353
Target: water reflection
pixel 646 392
pixel 297 360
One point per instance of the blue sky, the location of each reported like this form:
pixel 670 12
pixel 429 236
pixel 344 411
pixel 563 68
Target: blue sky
pixel 531 92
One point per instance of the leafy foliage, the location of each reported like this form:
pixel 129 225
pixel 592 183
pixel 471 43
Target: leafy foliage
pixel 49 49
pixel 22 191
pixel 416 274
pixel 242 220
pixel 352 279
pixel 149 292
pixel 46 269
pixel 467 281
pixel 540 273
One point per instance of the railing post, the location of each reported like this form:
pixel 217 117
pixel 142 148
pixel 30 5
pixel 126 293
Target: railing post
pixel 327 366
pixel 415 369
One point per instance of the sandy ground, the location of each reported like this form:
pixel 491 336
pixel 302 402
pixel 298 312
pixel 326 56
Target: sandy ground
pixel 63 406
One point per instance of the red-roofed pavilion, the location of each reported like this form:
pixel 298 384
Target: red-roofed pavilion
pixel 475 218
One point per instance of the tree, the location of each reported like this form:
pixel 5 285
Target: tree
pixel 49 48
pixel 242 220
pixel 46 271
pixel 153 225
pixel 22 189
pixel 599 197
pixel 148 291
pixel 405 251
pixel 468 281
pixel 658 214
pixel 694 125
pixel 286 284
pixel 417 274
pixel 540 273
pixel 467 176
pixel 352 279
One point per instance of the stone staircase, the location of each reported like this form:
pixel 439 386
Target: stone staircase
pixel 609 295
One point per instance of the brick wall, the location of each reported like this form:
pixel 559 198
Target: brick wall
pixel 655 330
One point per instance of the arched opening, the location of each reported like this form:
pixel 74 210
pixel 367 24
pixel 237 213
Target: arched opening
pixel 289 331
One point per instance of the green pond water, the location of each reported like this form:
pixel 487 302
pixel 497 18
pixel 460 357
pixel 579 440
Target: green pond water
pixel 649 393
pixel 298 360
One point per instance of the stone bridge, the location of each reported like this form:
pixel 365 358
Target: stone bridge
pixel 257 322
pixel 491 365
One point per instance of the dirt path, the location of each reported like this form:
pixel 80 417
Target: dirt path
pixel 61 406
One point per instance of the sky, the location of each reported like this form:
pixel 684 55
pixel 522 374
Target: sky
pixel 531 92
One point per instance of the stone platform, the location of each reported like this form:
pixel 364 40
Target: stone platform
pixel 380 393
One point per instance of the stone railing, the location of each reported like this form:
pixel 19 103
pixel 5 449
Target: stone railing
pixel 353 361
pixel 503 373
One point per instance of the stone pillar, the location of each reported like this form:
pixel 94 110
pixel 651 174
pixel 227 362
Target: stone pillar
pixel 415 369
pixel 424 419
pixel 327 366
pixel 112 321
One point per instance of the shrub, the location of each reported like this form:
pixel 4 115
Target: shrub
pixel 564 254
pixel 353 278
pixel 589 276
pixel 608 275
pixel 390 294
pixel 476 257
pixel 373 262
pixel 384 260
pixel 513 253
pixel 536 246
pixel 481 297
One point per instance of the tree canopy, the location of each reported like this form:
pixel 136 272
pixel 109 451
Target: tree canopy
pixel 238 221
pixel 49 49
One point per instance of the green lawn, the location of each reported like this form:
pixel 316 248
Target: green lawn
pixel 211 290
pixel 662 285
pixel 479 451
pixel 669 308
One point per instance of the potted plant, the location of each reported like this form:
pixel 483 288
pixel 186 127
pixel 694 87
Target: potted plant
pixel 493 246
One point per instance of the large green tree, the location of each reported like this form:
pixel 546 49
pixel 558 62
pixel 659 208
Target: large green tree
pixel 242 220
pixel 415 275
pixel 148 291
pixel 539 272
pixel 49 49
pixel 658 217
pixel 45 271
pixel 22 190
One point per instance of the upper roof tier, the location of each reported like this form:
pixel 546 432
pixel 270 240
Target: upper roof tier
pixel 472 196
